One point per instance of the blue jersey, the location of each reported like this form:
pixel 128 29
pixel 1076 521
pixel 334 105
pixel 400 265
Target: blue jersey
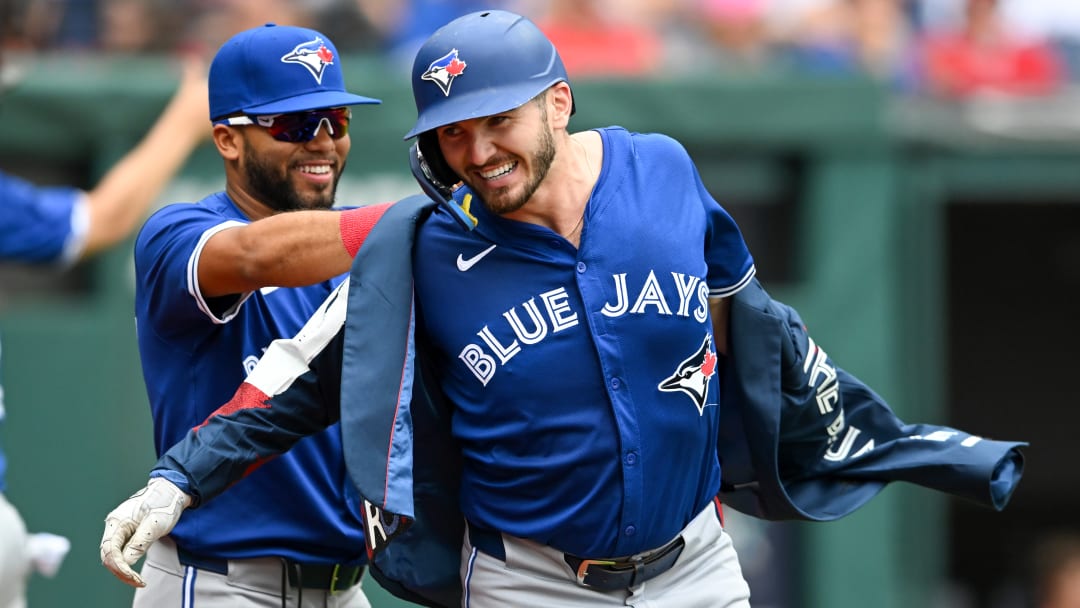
pixel 41 224
pixel 38 226
pixel 195 351
pixel 584 382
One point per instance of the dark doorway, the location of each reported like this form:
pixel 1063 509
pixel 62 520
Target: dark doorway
pixel 1013 372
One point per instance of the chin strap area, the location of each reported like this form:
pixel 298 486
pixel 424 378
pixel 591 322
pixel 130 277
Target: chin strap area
pixel 456 197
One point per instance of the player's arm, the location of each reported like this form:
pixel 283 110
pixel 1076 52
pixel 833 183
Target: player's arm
pixel 285 250
pixel 119 201
pixel 293 392
pixel 720 310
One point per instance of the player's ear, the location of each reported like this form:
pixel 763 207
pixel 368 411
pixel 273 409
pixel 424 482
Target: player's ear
pixel 228 141
pixel 561 101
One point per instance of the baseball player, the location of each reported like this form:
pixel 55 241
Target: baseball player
pixel 581 360
pixel 61 225
pixel 215 288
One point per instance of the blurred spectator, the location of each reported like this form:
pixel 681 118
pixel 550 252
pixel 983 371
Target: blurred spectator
pixel 604 38
pixel 163 26
pixel 985 54
pixel 48 24
pixel 849 37
pixel 884 41
pixel 405 24
pixel 1056 20
pixel 1057 572
pixel 215 21
pixel 134 26
pixel 815 34
pixel 737 32
pixel 124 26
pixel 344 22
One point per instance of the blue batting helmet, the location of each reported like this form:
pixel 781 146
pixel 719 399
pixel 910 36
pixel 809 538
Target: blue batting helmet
pixel 481 64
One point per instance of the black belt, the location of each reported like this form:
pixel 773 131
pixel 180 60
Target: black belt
pixel 330 577
pixel 600 574
pixel 612 574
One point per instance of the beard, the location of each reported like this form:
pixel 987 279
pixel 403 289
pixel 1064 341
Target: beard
pixel 503 200
pixel 271 186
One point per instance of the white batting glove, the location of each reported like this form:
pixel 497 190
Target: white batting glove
pixel 133 526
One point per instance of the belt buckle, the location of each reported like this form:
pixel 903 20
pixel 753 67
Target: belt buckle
pixel 583 567
pixel 335 576
pixel 334 579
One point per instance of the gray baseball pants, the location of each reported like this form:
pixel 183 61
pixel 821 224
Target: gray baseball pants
pixel 706 575
pixel 250 583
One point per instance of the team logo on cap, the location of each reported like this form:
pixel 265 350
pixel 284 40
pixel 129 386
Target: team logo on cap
pixel 692 376
pixel 312 55
pixel 444 70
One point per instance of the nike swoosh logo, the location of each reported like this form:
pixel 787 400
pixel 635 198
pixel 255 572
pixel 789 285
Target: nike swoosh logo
pixel 463 264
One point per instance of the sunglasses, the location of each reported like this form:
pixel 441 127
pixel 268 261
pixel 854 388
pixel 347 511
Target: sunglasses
pixel 299 127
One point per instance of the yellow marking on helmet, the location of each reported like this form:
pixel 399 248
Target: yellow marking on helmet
pixel 465 203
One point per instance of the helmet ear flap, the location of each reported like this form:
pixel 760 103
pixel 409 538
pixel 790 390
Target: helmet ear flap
pixel 442 185
pixel 441 172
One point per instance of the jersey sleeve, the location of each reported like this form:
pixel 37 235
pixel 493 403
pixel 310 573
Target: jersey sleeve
pixel 41 224
pixel 167 254
pixel 294 391
pixel 731 267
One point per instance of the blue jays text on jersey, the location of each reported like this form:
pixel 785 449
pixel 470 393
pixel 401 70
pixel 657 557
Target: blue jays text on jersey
pixel 550 312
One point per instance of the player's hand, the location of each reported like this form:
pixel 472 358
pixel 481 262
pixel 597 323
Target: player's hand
pixel 133 526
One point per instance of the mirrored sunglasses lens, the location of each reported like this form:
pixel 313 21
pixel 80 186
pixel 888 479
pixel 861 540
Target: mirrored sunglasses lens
pixel 303 126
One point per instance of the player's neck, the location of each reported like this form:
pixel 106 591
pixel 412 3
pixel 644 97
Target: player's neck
pixel 248 204
pixel 587 146
pixel 560 202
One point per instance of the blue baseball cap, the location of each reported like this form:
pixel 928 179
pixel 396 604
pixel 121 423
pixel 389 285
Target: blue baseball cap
pixel 276 69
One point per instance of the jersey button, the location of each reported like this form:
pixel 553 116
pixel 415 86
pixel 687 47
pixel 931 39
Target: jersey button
pixel 630 530
pixel 615 383
pixel 631 458
pixel 581 266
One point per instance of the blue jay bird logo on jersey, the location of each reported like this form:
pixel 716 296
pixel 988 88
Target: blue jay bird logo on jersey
pixel 692 376
pixel 444 70
pixel 312 55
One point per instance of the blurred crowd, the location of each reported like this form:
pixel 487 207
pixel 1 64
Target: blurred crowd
pixel 953 48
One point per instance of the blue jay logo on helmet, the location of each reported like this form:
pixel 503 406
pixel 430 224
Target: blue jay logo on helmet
pixel 444 70
pixel 313 55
